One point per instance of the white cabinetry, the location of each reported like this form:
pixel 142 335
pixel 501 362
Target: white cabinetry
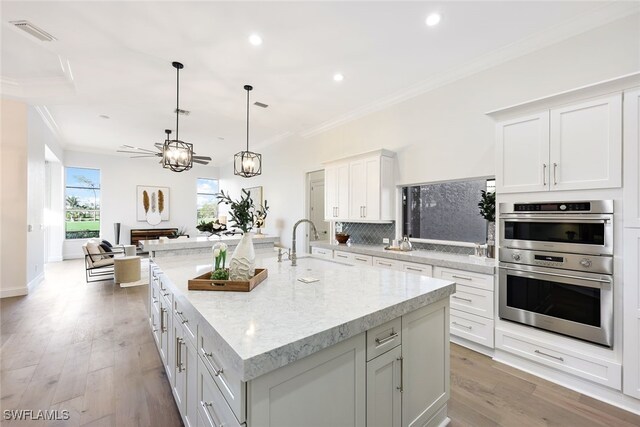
pixel 631 279
pixel 384 390
pixel 336 192
pixel 573 147
pixel 300 393
pixel 360 188
pixel 472 306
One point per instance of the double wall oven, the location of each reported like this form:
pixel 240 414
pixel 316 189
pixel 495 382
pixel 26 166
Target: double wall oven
pixel 556 267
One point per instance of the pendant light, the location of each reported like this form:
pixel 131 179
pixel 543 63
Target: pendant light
pixel 247 163
pixel 177 155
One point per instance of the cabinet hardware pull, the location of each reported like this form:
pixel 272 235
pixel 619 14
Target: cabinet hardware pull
pixel 463 326
pixel 364 208
pixel 555 179
pixel 182 318
pixel 380 341
pixel 414 269
pixel 361 259
pixel 155 329
pixel 544 174
pixel 549 355
pixel 401 387
pixel 209 356
pixel 341 256
pixel 337 211
pixel 386 264
pixel 463 299
pixel 162 328
pixel 461 277
pixel 179 342
pixel 206 406
pixel 165 294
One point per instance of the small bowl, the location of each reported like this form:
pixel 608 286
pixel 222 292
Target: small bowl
pixel 342 238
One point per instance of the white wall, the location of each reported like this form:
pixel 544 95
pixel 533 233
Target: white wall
pixel 119 178
pixel 443 134
pixel 13 198
pixel 54 210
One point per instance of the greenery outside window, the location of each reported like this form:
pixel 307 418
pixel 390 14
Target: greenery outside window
pixel 207 202
pixel 82 203
pixel 445 211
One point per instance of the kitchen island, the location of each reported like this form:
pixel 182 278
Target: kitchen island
pixel 202 245
pixel 359 346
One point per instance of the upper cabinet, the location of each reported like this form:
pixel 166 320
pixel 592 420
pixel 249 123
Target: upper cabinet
pixel 360 188
pixel 573 147
pixel 631 195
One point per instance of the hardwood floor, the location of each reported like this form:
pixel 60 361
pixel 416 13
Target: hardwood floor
pixel 87 349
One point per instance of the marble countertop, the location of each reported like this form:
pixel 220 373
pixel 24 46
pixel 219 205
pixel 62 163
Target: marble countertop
pixel 200 242
pixel 440 259
pixel 283 320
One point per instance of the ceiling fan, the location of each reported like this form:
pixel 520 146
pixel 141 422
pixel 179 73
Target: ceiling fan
pixel 143 152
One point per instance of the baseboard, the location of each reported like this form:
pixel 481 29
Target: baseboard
pixel 487 351
pixel 16 292
pixel 597 391
pixel 36 280
pixel 78 255
pixel 55 259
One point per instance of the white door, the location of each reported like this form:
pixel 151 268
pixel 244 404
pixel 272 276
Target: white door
pixel 330 193
pixel 523 154
pixel 357 189
pixel 586 145
pixel 343 192
pixel 425 363
pixel 631 347
pixel 631 159
pixel 384 390
pixel 371 209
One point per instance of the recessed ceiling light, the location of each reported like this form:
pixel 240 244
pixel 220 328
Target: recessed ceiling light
pixel 255 39
pixel 338 77
pixel 104 116
pixel 433 19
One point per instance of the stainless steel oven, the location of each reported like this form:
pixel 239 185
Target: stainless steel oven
pixel 556 267
pixel 584 227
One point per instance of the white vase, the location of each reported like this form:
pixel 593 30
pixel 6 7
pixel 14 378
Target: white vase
pixel 243 261
pixel 491 233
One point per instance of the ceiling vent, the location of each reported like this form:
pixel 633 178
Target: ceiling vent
pixel 260 104
pixel 36 32
pixel 181 111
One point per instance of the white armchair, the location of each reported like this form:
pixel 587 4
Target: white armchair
pixel 98 262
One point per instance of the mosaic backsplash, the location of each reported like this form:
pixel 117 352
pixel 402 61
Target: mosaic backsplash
pixel 372 234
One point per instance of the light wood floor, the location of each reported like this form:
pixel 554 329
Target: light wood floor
pixel 87 348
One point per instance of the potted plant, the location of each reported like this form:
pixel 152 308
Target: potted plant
pixel 245 216
pixel 487 207
pixel 211 227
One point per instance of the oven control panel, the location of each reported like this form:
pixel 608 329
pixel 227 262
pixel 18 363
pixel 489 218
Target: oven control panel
pixel 553 207
pixel 565 261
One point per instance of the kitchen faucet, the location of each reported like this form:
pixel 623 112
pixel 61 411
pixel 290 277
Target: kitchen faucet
pixel 293 241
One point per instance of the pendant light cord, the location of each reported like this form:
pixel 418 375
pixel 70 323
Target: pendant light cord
pixel 247 119
pixel 177 101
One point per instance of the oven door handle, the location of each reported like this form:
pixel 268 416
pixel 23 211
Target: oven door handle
pixel 559 219
pixel 568 276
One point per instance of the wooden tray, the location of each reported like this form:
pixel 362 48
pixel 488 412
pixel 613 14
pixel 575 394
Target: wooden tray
pixel 204 283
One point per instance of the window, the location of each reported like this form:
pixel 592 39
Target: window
pixel 445 211
pixel 207 202
pixel 82 203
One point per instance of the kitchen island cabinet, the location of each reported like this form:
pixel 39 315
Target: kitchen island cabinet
pixel 290 353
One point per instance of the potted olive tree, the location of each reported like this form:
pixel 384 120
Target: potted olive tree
pixel 487 207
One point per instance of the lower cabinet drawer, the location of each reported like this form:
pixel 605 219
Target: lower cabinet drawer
pixel 383 338
pixel 471 327
pixel 185 315
pixel 322 253
pixel 343 256
pixel 473 301
pixel 228 382
pixel 362 259
pixel 387 263
pixel 594 369
pixel 476 280
pixel 414 267
pixel 213 410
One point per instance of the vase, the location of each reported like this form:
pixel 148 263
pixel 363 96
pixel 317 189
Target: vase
pixel 491 240
pixel 243 261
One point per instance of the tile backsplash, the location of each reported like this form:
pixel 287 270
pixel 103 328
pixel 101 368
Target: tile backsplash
pixel 372 234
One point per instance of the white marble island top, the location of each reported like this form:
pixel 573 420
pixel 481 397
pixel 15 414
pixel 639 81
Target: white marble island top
pixel 283 319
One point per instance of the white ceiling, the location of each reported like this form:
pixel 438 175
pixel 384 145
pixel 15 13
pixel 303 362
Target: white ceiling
pixel 120 54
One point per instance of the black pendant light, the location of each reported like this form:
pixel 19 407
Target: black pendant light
pixel 177 155
pixel 247 163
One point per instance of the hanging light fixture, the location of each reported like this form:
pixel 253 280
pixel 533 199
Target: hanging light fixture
pixel 247 163
pixel 177 155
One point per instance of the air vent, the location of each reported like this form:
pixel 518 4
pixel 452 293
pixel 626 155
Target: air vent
pixel 181 111
pixel 260 104
pixel 36 32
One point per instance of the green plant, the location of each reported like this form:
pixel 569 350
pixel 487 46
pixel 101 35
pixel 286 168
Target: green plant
pixel 487 205
pixel 182 231
pixel 243 213
pixel 213 227
pixel 220 274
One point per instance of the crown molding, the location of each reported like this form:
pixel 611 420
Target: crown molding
pixel 51 123
pixel 597 18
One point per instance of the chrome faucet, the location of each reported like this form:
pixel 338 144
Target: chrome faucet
pixel 293 241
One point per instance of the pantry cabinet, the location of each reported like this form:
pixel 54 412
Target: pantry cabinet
pixel 631 203
pixel 360 188
pixel 573 147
